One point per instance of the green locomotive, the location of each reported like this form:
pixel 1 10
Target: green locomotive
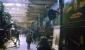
pixel 72 32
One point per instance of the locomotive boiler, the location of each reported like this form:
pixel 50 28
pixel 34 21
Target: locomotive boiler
pixel 4 26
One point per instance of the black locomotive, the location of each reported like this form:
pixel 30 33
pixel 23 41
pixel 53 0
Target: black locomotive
pixel 4 26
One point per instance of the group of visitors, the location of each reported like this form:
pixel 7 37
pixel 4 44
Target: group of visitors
pixel 43 44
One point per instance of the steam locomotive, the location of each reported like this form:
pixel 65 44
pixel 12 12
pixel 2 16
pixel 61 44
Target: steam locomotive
pixel 72 32
pixel 4 26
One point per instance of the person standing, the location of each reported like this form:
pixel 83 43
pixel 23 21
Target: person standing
pixel 28 40
pixel 43 44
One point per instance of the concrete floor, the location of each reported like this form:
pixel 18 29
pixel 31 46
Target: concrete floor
pixel 23 45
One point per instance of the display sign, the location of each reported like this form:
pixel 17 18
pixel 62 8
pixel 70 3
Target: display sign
pixel 76 15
